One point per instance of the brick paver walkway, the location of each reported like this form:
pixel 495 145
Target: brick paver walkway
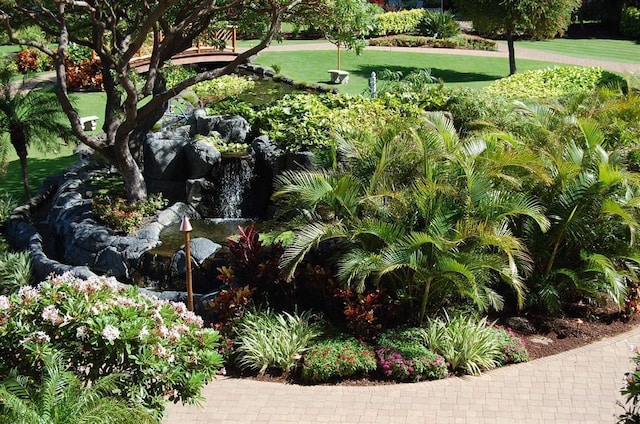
pixel 578 386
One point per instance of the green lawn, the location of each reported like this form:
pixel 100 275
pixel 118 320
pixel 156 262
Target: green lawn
pixel 40 167
pixel 312 66
pixel 603 49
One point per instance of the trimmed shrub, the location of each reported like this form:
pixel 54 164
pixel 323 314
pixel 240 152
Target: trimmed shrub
pixel 104 327
pixel 403 356
pixel 266 340
pixel 630 22
pixel 337 357
pixel 438 25
pixel 461 41
pixel 553 83
pixel 400 22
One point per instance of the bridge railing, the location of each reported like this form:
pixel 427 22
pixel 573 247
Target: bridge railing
pixel 221 40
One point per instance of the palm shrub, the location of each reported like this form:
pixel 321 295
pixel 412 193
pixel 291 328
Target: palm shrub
pixel 403 356
pixel 102 327
pixel 58 396
pixel 438 25
pixel 337 357
pixel 422 212
pixel 267 340
pixel 588 251
pixel 29 118
pixel 469 344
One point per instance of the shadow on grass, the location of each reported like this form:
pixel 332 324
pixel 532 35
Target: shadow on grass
pixel 446 75
pixel 39 170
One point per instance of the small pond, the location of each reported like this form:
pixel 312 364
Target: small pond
pixel 214 229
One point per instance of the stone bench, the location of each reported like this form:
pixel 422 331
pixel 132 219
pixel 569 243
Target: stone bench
pixel 90 123
pixel 338 76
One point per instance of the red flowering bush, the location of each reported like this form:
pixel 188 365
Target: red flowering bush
pixel 337 357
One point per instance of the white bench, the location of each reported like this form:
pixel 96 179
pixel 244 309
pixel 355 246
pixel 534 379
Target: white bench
pixel 338 77
pixel 90 123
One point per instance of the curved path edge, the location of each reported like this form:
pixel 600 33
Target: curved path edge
pixel 577 386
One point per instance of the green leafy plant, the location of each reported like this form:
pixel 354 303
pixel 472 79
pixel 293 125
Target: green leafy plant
pixel 266 340
pixel 15 271
pixel 176 73
pixel 104 327
pixel 222 146
pixel 438 25
pixel 400 22
pixel 7 204
pixel 553 82
pixel 468 344
pixel 123 217
pixel 630 22
pixel 223 87
pixel 403 356
pixel 337 357
pixel 512 348
pixel 631 391
pixel 59 397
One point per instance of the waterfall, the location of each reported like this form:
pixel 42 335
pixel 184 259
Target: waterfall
pixel 234 183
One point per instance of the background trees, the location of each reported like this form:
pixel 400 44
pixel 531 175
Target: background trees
pixel 536 18
pixel 116 31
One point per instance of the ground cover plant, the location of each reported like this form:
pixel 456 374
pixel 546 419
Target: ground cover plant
pixel 553 83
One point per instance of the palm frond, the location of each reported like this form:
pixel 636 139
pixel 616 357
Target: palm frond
pixel 305 239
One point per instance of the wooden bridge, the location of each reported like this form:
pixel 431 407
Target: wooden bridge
pixel 225 50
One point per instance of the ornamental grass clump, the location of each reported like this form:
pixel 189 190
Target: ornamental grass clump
pixel 266 340
pixel 403 356
pixel 337 357
pixel 468 344
pixel 104 327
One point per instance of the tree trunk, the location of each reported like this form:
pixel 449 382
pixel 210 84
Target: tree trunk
pixel 338 56
pixel 120 156
pixel 512 53
pixel 19 143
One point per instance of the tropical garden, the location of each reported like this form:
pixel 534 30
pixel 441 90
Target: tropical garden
pixel 433 212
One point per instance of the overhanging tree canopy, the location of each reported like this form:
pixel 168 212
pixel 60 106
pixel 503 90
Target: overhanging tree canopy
pixel 538 19
pixel 116 30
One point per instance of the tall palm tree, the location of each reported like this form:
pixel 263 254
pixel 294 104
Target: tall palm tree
pixel 29 117
pixel 60 398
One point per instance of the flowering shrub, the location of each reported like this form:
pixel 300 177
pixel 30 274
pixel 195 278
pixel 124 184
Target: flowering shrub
pixel 428 367
pixel 512 348
pixel 337 357
pixel 105 327
pixel 403 356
